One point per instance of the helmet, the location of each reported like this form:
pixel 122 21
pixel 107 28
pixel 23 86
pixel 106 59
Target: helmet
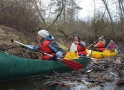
pixel 43 33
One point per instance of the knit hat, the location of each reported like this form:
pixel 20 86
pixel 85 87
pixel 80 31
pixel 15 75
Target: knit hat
pixel 112 42
pixel 43 33
pixel 101 38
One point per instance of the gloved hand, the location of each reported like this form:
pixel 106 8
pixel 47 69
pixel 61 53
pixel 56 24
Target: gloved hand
pixel 59 54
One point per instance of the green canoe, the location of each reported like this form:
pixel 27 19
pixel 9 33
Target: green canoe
pixel 13 67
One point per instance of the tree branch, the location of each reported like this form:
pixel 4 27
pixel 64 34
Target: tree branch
pixel 40 14
pixel 57 16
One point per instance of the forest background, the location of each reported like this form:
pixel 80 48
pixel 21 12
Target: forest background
pixel 61 19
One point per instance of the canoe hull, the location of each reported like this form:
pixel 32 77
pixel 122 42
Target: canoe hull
pixel 104 54
pixel 12 67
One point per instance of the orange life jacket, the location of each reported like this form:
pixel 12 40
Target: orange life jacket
pixel 45 48
pixel 100 46
pixel 81 50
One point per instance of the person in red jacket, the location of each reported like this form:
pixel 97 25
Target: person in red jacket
pixel 79 46
pixel 100 45
pixel 48 45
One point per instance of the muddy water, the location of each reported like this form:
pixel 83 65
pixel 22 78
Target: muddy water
pixel 23 84
pixel 38 84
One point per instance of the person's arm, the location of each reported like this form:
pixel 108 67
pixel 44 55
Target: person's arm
pixel 32 47
pixel 119 51
pixel 36 48
pixel 83 44
pixel 107 46
pixel 55 47
pixel 95 45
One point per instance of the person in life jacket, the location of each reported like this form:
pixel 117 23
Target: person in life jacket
pixel 112 46
pixel 48 45
pixel 79 46
pixel 100 45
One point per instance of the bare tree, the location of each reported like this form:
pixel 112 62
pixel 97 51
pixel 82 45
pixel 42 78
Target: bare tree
pixel 18 14
pixel 57 16
pixel 112 26
pixel 39 10
pixel 121 13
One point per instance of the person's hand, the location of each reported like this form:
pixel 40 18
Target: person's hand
pixel 94 42
pixel 59 54
pixel 76 42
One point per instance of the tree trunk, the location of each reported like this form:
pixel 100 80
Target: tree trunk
pixel 112 26
pixel 56 16
pixel 40 14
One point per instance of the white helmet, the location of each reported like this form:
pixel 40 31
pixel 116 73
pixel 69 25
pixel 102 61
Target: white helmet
pixel 43 33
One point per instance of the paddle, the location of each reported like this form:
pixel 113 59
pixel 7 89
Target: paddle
pixel 68 63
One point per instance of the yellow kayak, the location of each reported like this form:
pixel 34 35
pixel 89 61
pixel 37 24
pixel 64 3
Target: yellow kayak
pixel 104 54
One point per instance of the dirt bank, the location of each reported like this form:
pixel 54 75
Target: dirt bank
pixel 6 34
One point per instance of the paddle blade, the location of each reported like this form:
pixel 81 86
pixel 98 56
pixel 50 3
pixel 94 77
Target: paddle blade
pixel 12 40
pixel 71 64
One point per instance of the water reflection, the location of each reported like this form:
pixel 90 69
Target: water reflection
pixel 23 84
pixel 38 84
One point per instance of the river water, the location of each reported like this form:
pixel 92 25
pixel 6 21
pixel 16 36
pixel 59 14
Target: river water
pixel 23 84
pixel 74 80
pixel 38 84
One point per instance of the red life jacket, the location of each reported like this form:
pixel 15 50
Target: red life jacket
pixel 100 46
pixel 81 50
pixel 111 46
pixel 45 48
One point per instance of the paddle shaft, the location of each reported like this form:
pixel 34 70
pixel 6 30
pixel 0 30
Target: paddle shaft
pixel 29 47
pixel 90 45
pixel 18 42
pixel 93 43
pixel 69 63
